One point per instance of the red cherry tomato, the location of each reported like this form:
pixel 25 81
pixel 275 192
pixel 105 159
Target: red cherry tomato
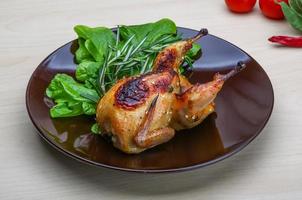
pixel 240 6
pixel 271 9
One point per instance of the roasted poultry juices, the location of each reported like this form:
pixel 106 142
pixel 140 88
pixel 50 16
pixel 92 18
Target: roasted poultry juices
pixel 143 111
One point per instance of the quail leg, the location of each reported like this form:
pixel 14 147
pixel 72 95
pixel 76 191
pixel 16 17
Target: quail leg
pixel 193 105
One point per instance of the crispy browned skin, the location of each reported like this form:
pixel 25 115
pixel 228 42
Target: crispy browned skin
pixel 144 111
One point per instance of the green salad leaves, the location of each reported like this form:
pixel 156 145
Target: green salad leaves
pixel 293 13
pixel 105 56
pixel 71 97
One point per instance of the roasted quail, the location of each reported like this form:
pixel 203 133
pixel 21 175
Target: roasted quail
pixel 143 111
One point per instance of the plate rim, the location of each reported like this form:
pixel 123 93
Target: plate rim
pixel 179 169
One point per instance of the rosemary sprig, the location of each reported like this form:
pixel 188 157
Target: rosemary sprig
pixel 127 59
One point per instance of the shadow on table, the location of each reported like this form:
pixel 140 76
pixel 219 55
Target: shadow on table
pixel 159 184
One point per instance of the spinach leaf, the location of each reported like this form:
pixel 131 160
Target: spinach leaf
pixel 292 16
pixel 86 70
pixel 194 52
pixel 89 108
pixel 96 42
pixel 153 30
pixel 95 129
pixel 82 53
pixel 71 97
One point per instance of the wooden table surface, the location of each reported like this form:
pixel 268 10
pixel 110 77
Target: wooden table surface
pixel 269 168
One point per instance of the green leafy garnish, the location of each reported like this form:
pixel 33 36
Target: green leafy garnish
pixel 150 31
pixel 293 13
pixel 86 70
pixel 95 129
pixel 71 98
pixel 96 42
pixel 103 57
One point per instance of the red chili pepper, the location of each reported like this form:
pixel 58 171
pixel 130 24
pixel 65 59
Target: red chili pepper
pixel 287 41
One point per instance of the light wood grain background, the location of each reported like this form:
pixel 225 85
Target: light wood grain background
pixel 269 168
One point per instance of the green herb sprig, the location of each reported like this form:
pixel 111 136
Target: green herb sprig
pixel 129 59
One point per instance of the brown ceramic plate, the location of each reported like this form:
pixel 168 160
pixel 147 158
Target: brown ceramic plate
pixel 243 108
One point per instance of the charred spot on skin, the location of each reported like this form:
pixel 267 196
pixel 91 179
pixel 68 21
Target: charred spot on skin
pixel 167 60
pixel 135 91
pixel 170 89
pixel 132 94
